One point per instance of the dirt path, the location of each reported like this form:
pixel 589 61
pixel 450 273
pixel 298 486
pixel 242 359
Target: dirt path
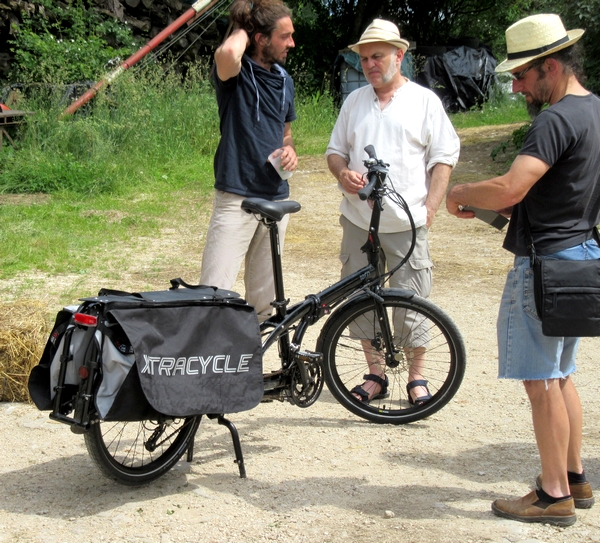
pixel 320 474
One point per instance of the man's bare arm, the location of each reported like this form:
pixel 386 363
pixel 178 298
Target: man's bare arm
pixel 228 57
pixel 440 177
pixel 498 193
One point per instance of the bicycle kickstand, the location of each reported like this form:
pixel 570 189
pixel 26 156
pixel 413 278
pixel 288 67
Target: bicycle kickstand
pixel 235 437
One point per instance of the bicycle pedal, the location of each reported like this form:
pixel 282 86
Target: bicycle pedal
pixel 309 356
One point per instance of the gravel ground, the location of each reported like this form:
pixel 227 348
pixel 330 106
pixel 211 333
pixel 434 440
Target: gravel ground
pixel 319 474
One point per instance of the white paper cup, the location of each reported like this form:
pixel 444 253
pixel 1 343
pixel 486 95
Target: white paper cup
pixel 275 159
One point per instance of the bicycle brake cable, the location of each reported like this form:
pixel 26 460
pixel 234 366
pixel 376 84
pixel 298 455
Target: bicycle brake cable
pixel 399 200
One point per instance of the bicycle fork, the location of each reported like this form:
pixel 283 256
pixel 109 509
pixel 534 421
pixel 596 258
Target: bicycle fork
pixel 386 330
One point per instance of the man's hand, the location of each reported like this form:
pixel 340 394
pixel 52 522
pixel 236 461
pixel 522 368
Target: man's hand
pixel 351 181
pixel 289 159
pixel 454 206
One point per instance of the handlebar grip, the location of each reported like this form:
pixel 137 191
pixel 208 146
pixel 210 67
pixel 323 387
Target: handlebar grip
pixel 370 150
pixel 366 191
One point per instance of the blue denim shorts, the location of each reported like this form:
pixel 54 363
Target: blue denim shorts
pixel 524 352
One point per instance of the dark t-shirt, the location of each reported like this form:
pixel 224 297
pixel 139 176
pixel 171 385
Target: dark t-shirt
pixel 253 108
pixel 564 204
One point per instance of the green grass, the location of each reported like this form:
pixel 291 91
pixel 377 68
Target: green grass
pixel 68 234
pixel 117 171
pixel 312 128
pixel 502 109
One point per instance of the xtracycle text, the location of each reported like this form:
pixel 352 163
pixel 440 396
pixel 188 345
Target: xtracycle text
pixel 194 365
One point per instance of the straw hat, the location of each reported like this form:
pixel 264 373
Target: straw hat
pixel 534 37
pixel 380 30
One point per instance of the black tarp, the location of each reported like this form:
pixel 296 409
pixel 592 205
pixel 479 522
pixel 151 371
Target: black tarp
pixel 462 77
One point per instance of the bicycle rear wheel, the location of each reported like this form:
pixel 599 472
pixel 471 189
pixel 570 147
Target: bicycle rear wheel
pixel 422 334
pixel 135 453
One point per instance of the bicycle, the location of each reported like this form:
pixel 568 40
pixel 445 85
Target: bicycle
pixel 360 313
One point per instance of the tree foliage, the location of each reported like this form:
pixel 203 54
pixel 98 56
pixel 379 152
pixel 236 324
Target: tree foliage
pixel 59 43
pixel 326 26
pixel 68 40
pixel 583 14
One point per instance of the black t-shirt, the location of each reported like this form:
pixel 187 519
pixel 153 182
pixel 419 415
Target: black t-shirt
pixel 253 109
pixel 564 204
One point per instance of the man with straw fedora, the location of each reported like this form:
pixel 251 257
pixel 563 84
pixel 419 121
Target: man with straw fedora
pixel 409 129
pixel 554 186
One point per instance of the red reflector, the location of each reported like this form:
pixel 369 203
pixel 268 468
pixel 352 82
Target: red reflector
pixel 83 372
pixel 85 320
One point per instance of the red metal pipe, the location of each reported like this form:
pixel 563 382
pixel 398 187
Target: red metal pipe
pixel 197 8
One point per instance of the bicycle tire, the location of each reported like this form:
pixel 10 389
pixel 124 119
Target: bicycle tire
pixel 119 449
pixel 344 364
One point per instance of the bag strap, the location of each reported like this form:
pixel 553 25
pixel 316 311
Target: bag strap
pixel 179 282
pixel 531 246
pixel 113 292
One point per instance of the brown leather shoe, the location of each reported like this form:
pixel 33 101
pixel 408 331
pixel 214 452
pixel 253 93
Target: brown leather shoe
pixel 581 492
pixel 530 509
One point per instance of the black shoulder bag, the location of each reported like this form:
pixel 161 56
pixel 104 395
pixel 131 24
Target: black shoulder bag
pixel 567 292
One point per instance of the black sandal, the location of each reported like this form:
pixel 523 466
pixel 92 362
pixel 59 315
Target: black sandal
pixel 421 400
pixel 364 395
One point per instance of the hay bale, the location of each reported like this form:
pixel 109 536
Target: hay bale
pixel 24 331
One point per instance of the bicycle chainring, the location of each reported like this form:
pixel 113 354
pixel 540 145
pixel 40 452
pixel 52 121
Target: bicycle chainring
pixel 305 395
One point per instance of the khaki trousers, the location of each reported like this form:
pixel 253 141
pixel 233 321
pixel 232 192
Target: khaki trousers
pixel 233 237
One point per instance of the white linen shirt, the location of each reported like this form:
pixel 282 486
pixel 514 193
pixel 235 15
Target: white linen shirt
pixel 412 134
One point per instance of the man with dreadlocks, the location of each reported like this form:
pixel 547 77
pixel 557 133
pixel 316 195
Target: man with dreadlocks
pixel 255 96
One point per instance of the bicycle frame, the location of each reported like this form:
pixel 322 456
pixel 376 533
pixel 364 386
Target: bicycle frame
pixel 302 374
pixel 315 306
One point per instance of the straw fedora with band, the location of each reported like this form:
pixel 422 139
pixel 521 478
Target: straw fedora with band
pixel 534 37
pixel 381 30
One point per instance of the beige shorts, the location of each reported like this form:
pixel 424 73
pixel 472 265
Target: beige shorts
pixel 415 275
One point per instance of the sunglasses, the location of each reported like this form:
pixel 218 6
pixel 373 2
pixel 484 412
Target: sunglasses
pixel 518 76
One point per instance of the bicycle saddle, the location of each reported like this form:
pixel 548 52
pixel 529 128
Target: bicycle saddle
pixel 270 210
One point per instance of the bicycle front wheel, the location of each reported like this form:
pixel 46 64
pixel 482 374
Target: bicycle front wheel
pixel 427 345
pixel 135 453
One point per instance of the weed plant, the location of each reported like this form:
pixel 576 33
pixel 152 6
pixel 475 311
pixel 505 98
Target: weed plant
pixel 142 130
pixel 502 107
pixel 312 128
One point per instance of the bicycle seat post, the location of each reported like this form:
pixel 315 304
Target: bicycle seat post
pixel 269 214
pixel 280 302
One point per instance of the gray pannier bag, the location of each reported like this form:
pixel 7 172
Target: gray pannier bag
pixel 185 351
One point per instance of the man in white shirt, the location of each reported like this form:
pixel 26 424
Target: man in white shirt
pixel 409 129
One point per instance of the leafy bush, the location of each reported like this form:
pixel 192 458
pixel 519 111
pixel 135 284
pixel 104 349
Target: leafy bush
pixel 512 147
pixel 67 43
pixel 147 126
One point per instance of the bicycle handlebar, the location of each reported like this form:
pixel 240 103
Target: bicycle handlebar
pixel 377 172
pixel 370 150
pixel 366 191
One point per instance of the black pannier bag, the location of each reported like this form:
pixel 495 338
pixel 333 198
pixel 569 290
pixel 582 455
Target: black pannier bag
pixel 180 352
